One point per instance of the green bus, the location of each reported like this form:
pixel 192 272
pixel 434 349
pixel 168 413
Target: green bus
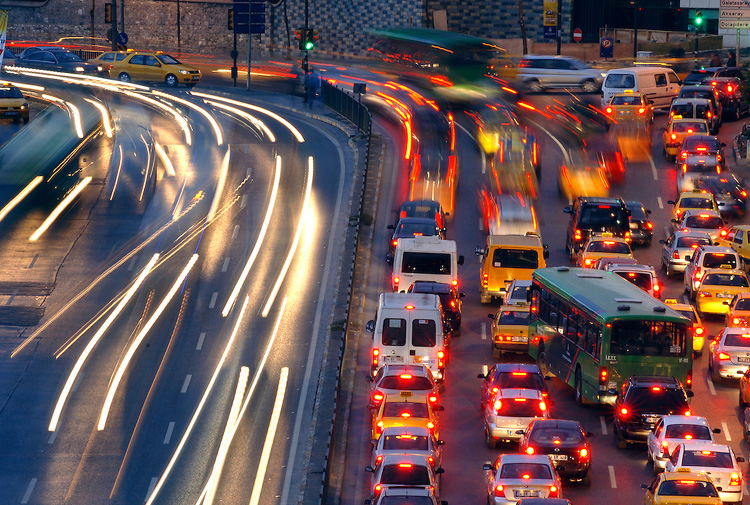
pixel 593 329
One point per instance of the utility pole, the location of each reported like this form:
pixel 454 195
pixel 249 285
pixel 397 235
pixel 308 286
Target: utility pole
pixel 635 28
pixel 306 59
pixel 114 25
pixel 559 25
pixel 179 40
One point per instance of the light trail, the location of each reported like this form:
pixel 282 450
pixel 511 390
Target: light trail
pixel 164 159
pixel 94 340
pixel 76 118
pixel 119 171
pixel 20 196
pixel 171 110
pixel 303 217
pixel 220 185
pixel 106 121
pixel 58 210
pixel 257 122
pixel 256 249
pixel 147 174
pixel 137 342
pixel 200 110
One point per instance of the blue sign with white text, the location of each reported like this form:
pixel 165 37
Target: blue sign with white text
pixel 550 32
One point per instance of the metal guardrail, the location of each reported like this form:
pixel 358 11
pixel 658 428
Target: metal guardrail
pixel 345 104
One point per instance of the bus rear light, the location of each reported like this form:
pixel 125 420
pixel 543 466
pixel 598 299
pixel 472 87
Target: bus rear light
pixel 485 280
pixel 603 376
pixel 689 379
pixel 375 357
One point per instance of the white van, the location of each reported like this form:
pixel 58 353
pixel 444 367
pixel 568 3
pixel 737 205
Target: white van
pixel 659 84
pixel 408 329
pixel 425 259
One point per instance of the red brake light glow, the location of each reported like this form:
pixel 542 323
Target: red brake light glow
pixel 405 376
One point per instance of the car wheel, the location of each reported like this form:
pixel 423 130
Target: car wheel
pixel 579 388
pixel 589 86
pixel 535 86
pixel 124 77
pixel 491 442
pixel 715 376
pixel 541 362
pixel 170 80
pixel 741 402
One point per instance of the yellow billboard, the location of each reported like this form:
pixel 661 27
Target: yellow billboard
pixel 550 13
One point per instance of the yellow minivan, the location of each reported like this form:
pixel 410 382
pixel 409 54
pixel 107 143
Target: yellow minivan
pixel 506 258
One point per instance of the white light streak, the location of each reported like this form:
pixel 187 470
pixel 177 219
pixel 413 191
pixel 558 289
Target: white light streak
pixel 164 159
pixel 257 122
pixel 105 116
pixel 256 249
pixel 94 340
pixel 137 342
pixel 201 110
pixel 117 176
pixel 174 112
pixel 219 186
pixel 23 85
pixel 293 249
pixel 58 210
pixel 18 198
pixel 147 174
pixel 76 119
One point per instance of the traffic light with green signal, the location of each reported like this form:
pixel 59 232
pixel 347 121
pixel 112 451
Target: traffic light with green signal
pixel 698 19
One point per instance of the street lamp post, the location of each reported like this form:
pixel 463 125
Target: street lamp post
pixel 634 3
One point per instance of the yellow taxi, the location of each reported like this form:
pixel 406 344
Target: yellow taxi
pixel 696 328
pixel 720 285
pixel 677 129
pixel 601 246
pixel 154 67
pixel 681 488
pixel 738 238
pixel 693 200
pixel 739 311
pixel 105 61
pixel 629 106
pixel 408 408
pixel 13 104
pixel 510 329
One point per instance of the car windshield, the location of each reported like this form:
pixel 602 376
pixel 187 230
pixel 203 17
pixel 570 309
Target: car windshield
pixel 426 263
pixel 648 338
pixel 692 242
pixel 688 313
pixel 519 380
pixel 716 260
pixel 558 436
pixel 704 223
pixel 615 80
pixel 626 100
pixel 405 474
pixel 637 213
pixel 742 304
pixel 412 229
pixel 715 459
pixel 10 92
pixel 68 57
pixel 514 317
pixel 604 216
pixel 515 258
pixel 696 203
pixel 406 381
pixel 687 488
pixel 406 409
pixel 168 60
pixel 721 279
pixel 641 279
pixel 518 407
pixel 689 127
pixel 609 246
pixel 657 400
pixel 688 431
pixel 405 442
pixel 737 340
pixel 525 471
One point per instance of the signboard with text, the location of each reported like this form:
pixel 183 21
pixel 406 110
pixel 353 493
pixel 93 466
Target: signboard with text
pixel 550 13
pixel 734 24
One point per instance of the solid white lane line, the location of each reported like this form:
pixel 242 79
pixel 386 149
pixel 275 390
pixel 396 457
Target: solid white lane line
pixel 168 436
pixel 653 168
pixel 225 265
pixel 260 474
pixel 186 383
pixel 660 202
pixel 484 331
pixel 725 431
pixel 244 202
pixel 29 490
pixel 612 480
pixel 200 341
pixel 212 303
pixel 604 425
pixel 236 231
pixel 151 487
pixel 711 386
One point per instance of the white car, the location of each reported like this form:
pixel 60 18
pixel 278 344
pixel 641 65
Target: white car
pixel 515 476
pixel 716 460
pixel 671 430
pixel 407 440
pixel 517 293
pixel 399 470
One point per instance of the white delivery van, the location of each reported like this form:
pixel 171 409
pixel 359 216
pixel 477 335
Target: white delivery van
pixel 408 329
pixel 425 259
pixel 659 84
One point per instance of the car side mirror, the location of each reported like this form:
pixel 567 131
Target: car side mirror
pixel 370 326
pixel 725 302
pixel 545 253
pixel 568 209
pixel 644 486
pixel 443 502
pixel 716 430
pixel 447 214
pixel 479 251
pixel 520 432
pixel 648 211
pixel 462 295
pixel 689 257
pixel 662 241
pixel 740 459
pixel 440 442
pixel 460 260
pixel 389 258
pixel 391 227
pixel 548 377
pixel 723 144
pixel 674 220
pixel 491 316
pixel 368 502
pixel 481 376
pixel 690 393
pixel 374 442
pixel 487 466
pixel 439 471
pixel 368 378
pixel 590 434
pixel 721 204
pixel 369 469
pixel 439 408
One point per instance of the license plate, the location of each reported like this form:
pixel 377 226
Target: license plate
pixel 625 112
pixel 558 457
pixel 519 339
pixel 195 78
pixel 525 493
pixel 744 359
pixel 394 359
pixel 406 393
pixel 724 295
pixel 652 420
pixel 11 113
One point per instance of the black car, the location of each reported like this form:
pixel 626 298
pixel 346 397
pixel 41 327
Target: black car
pixel 408 227
pixel 565 442
pixel 641 227
pixel 590 215
pixel 59 60
pixel 729 192
pixel 640 402
pixel 424 208
pixel 697 75
pixel 450 302
pixel 731 96
pixel 511 375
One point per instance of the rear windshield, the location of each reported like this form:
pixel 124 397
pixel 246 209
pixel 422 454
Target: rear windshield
pixel 564 437
pixel 416 230
pixel 638 213
pixel 715 260
pixel 742 304
pixel 519 407
pixel 619 81
pixel 702 111
pixel 519 293
pixel 519 380
pixel 411 209
pixel 514 317
pixel 707 458
pixel 406 382
pixel 611 218
pixel 515 258
pixel 711 144
pixel 525 471
pixel 405 443
pixel 695 93
pixel 394 331
pixel 692 241
pixel 687 488
pixel 625 100
pixel 689 127
pixel 648 338
pixel 405 409
pixel 704 223
pixel 426 263
pixel 730 280
pixel 10 92
pixel 423 333
pixel 737 340
pixel 696 203
pixel 640 279
pixel 682 109
pixel 405 475
pixel 657 401
pixel 688 431
pixel 406 500
pixel 609 246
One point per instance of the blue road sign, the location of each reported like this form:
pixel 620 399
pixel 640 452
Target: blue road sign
pixel 122 39
pixel 606 47
pixel 241 16
pixel 550 32
pixel 257 16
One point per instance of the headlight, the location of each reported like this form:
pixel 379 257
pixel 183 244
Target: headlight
pixel 99 68
pixel 184 72
pixel 603 74
pixel 79 69
pixel 24 106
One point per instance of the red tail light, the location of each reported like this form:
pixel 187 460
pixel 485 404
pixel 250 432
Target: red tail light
pixel 497 406
pixel 441 359
pixel 735 479
pixel 395 242
pixel 553 491
pixel 578 235
pixel 723 233
pixel 698 330
pixel 431 460
pixel 499 490
pixel 689 379
pixel 697 276
pixel 542 406
pixel 379 427
pixel 729 88
pixel 704 294
pixel 687 413
pixel 584 453
pixel 656 287
pixel 377 397
pixel 378 489
pixel 641 110
pixel 375 357
pixel 723 356
pixel 431 426
pixel 529 450
pixel 609 110
pixel 485 280
pixel 395 282
pixel 650 225
pixel 674 136
pixel 432 399
pixel 603 376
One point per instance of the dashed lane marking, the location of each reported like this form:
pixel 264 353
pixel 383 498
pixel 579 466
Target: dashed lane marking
pixel 653 168
pixel 481 224
pixel 186 383
pixel 212 303
pixel 711 386
pixel 225 265
pixel 168 436
pixel 612 480
pixel 151 487
pixel 200 341
pixel 236 231
pixel 29 490
pixel 484 331
pixel 244 202
pixel 660 202
pixel 725 431
pixel 604 425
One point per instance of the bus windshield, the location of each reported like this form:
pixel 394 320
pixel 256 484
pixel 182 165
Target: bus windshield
pixel 647 338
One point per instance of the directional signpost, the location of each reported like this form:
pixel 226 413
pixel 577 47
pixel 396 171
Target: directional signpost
pixel 734 14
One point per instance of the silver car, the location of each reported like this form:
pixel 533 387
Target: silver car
pixel 679 248
pixel 537 72
pixel 703 220
pixel 730 353
pixel 513 477
pixel 407 440
pixel 509 413
pixel 398 470
pixel 672 430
